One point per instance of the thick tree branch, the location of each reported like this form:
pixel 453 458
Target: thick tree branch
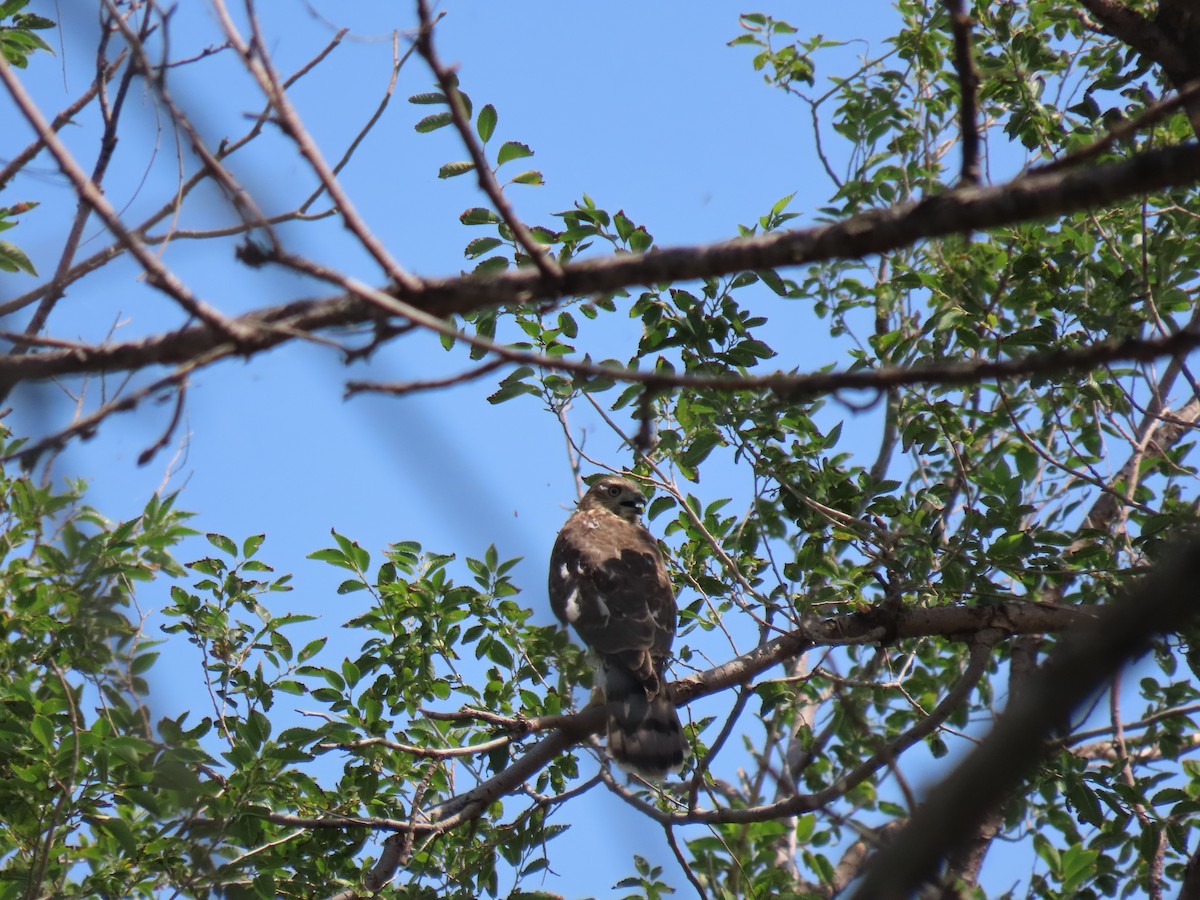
pixel 1033 196
pixel 1190 889
pixel 958 621
pixel 1126 128
pixel 968 85
pixel 1133 28
pixel 961 622
pixel 1162 601
pixel 964 866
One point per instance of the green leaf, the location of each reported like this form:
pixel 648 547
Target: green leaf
pixel 485 123
pixel 43 729
pixel 434 122
pixel 623 225
pixel 118 829
pixel 33 21
pixel 13 259
pixel 771 278
pixel 567 325
pixel 511 150
pixel 514 385
pixel 332 556
pixel 492 264
pixel 480 246
pixel 311 649
pixel 477 215
pixel 222 543
pixel 428 98
pixel 450 169
pixel 528 177
pixel 354 553
pixel 640 240
pixel 143 662
pixel 466 103
pixel 251 544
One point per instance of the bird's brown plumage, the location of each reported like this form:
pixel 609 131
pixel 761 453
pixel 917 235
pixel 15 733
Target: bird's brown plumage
pixel 609 581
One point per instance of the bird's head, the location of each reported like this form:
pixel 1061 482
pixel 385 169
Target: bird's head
pixel 619 496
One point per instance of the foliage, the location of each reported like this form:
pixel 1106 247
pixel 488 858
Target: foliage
pixel 99 800
pixel 453 739
pixel 19 39
pixel 18 42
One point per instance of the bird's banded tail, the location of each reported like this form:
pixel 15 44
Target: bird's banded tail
pixel 645 736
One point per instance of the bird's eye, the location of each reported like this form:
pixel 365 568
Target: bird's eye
pixel 614 491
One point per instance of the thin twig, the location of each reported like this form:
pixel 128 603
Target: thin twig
pixel 398 62
pixel 739 705
pixel 108 145
pixel 18 162
pixel 427 752
pixel 157 273
pixel 683 862
pixel 258 64
pixel 148 454
pixel 241 199
pixel 408 387
pixel 85 425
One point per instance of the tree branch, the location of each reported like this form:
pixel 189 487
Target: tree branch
pixel 220 329
pixel 447 81
pixel 1161 601
pixel 258 64
pixel 968 83
pixel 970 208
pixel 963 622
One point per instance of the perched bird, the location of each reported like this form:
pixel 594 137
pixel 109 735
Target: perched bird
pixel 608 580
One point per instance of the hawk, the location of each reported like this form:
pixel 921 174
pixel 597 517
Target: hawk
pixel 609 581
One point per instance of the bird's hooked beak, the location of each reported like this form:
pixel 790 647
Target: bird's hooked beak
pixel 638 505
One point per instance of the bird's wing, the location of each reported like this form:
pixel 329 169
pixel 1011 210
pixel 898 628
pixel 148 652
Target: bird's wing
pixel 608 580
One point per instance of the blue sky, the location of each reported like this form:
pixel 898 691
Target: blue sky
pixel 642 106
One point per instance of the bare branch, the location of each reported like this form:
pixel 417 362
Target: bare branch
pixel 18 162
pixel 108 144
pixel 398 62
pixel 1032 196
pixel 683 863
pixel 157 273
pixel 259 65
pixel 409 387
pixel 241 199
pixel 84 426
